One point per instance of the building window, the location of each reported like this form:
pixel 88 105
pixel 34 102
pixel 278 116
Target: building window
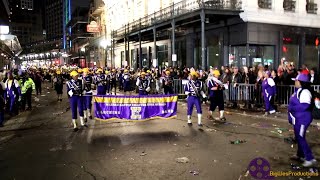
pixel 290 48
pixel 265 4
pixel 289 5
pixel 311 7
pixel 311 51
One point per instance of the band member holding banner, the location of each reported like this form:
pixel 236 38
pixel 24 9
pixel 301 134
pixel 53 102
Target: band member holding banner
pixel 113 82
pixel 216 88
pixel 100 82
pixel 126 82
pixel 108 81
pixel 80 71
pixel 168 83
pixel 87 99
pixel 143 84
pixel 75 88
pixel 194 90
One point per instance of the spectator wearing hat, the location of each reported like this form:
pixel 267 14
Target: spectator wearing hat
pixel 300 116
pixel 194 90
pixel 268 91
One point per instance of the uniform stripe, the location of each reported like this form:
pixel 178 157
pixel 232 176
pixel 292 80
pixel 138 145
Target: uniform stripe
pixel 301 130
pixel 293 119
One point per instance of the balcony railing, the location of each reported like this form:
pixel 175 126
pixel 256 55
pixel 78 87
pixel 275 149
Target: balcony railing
pixel 178 9
pixel 312 8
pixel 265 4
pixel 289 5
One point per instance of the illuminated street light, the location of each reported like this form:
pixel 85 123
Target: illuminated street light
pixel 104 44
pixel 83 49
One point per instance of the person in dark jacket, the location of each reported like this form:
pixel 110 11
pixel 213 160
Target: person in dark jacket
pixel 315 79
pixel 236 78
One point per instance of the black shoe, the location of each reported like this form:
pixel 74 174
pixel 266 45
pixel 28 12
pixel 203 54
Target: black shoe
pixel 189 124
pixel 85 126
pixel 60 100
pixel 90 117
pixel 75 129
pixel 85 120
pixel 200 125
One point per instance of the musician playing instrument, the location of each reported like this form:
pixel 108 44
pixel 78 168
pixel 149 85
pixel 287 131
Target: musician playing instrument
pixel 216 88
pixel 168 83
pixel 143 84
pixel 194 90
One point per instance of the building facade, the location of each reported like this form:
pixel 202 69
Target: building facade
pixel 213 33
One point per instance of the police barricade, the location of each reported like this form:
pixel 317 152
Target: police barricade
pixel 135 108
pixel 248 93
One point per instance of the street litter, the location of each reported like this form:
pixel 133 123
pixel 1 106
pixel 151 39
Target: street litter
pixel 57 114
pixel 238 142
pixel 48 92
pixel 36 99
pixel 215 161
pixel 247 173
pixel 143 154
pixel 195 173
pixel 211 130
pixel 290 140
pixel 295 167
pixel 174 144
pixel 318 126
pixel 274 132
pixel 43 95
pixel 182 160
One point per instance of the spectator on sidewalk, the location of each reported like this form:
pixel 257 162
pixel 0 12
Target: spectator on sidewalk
pixel 38 81
pixel 2 101
pixel 315 79
pixel 236 79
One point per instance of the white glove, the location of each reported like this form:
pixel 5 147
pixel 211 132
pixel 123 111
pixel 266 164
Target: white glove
pixel 148 89
pixel 204 96
pixel 19 98
pixel 70 93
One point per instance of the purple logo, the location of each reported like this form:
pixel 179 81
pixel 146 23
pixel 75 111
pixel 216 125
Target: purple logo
pixel 259 168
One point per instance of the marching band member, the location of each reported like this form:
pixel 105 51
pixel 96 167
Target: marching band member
pixel 80 71
pixel 126 81
pixel 300 116
pixel 119 77
pixel 12 93
pixel 87 99
pixel 58 84
pixel 269 91
pixel 194 90
pixel 143 84
pixel 113 82
pixel 108 81
pixel 75 88
pixel 216 88
pixel 101 83
pixel 168 83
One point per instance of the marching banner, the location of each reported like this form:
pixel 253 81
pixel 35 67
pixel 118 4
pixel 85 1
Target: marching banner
pixel 135 107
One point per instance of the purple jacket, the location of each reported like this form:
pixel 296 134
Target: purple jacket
pixel 299 110
pixel 269 87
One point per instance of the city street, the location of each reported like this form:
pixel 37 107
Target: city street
pixel 41 145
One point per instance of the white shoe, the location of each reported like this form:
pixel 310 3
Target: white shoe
pixel 309 163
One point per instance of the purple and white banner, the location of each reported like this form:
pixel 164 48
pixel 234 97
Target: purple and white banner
pixel 135 107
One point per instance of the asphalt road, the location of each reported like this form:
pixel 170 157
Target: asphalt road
pixel 41 145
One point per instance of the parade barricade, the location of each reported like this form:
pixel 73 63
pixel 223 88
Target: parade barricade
pixel 135 108
pixel 248 93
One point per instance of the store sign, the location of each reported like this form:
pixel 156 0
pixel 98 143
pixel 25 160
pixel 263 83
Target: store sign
pixel 93 27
